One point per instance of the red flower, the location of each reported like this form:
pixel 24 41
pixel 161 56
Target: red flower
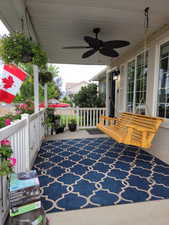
pixel 7 122
pixel 5 142
pixel 8 82
pixel 12 161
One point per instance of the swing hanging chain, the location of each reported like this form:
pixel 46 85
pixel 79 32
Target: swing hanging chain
pixel 146 26
pixel 146 13
pixel 22 25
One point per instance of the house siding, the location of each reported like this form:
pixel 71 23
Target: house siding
pixel 160 146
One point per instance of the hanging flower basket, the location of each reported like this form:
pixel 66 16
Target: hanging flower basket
pixel 17 48
pixel 39 56
pixel 45 77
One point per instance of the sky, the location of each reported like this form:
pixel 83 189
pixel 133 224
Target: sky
pixel 3 29
pixel 69 73
pixel 77 73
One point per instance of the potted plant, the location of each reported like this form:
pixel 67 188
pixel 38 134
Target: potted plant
pixel 45 77
pixel 49 120
pixel 57 123
pixel 39 56
pixel 62 127
pixel 17 48
pixel 72 125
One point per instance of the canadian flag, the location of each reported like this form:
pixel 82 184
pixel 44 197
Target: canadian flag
pixel 11 79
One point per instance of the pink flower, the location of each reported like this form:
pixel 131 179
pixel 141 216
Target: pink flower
pixel 23 106
pixel 12 161
pixel 18 112
pixel 7 122
pixel 5 142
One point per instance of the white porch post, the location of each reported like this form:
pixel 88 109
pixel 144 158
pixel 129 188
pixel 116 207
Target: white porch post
pixel 107 92
pixel 46 95
pixel 27 142
pixel 36 88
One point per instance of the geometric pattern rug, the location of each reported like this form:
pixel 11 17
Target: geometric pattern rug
pixel 94 172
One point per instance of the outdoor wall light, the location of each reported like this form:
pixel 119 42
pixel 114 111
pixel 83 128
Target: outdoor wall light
pixel 115 77
pixel 115 74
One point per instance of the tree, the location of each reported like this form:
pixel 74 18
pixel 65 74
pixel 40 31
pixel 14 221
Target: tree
pixel 27 88
pixel 67 99
pixel 88 97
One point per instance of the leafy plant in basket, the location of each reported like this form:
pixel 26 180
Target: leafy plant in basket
pixel 62 127
pixel 72 125
pixel 17 48
pixel 45 77
pixel 59 124
pixel 39 56
pixel 6 162
pixel 49 120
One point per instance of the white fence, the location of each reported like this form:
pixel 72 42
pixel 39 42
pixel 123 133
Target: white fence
pixel 85 117
pixel 25 136
pixel 37 132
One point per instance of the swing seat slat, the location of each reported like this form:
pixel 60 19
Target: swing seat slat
pixel 131 129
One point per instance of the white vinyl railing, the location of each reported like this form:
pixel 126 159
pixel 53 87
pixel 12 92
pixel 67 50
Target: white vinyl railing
pixel 89 117
pixel 85 117
pixel 37 132
pixel 26 136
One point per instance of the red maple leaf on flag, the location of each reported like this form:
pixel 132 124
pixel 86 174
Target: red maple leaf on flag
pixel 8 82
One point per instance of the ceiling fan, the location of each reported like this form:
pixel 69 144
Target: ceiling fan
pixel 104 47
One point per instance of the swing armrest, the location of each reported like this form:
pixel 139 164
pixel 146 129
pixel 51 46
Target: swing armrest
pixel 139 128
pixel 108 118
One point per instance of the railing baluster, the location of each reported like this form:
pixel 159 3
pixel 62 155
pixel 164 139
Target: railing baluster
pixel 94 117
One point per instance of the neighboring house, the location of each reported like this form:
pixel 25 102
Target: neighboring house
pixel 74 88
pixel 101 78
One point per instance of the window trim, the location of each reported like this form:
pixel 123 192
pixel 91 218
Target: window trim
pixel 159 43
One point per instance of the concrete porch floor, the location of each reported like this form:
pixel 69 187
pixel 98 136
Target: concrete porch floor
pixel 73 135
pixel 144 213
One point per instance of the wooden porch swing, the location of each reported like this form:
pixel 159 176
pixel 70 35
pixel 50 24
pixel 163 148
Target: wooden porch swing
pixel 129 128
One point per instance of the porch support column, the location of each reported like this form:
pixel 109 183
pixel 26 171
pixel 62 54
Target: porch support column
pixel 107 92
pixel 36 88
pixel 46 95
pixel 152 79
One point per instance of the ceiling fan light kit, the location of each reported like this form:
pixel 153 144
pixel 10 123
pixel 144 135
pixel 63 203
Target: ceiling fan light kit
pixel 97 45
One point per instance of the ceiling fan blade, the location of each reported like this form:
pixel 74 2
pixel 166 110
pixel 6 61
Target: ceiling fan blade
pixel 75 47
pixel 89 53
pixel 115 44
pixel 93 42
pixel 108 52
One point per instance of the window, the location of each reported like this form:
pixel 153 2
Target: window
pixel 163 85
pixel 136 84
pixel 130 84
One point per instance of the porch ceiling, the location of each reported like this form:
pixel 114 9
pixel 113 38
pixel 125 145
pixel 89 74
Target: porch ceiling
pixel 61 23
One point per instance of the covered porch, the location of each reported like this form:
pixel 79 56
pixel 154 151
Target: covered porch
pixel 58 24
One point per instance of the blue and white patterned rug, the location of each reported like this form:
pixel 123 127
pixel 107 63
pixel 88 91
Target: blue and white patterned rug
pixel 84 173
